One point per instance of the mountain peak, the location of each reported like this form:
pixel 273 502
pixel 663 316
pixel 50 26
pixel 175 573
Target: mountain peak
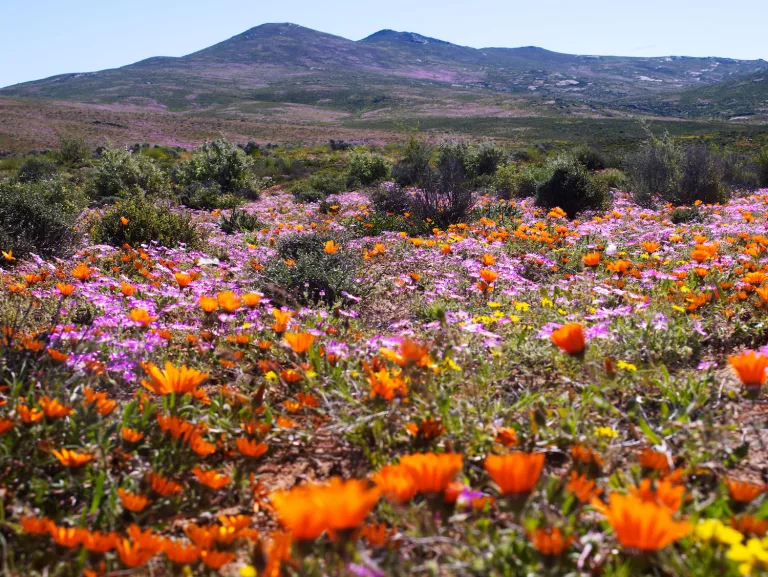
pixel 391 36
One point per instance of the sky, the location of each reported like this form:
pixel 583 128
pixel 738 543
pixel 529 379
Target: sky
pixel 41 38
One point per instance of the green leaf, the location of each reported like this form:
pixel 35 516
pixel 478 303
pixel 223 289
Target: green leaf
pixel 649 432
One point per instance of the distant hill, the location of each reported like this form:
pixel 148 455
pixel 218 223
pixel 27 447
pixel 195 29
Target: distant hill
pixel 391 73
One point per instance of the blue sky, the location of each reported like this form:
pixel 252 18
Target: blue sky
pixel 41 38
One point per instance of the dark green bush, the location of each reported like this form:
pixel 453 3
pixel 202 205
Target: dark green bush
pixel 39 218
pixel 413 168
pixel 590 158
pixel 36 169
pixel 761 159
pixel 656 169
pixel 240 221
pixel 391 198
pixel 73 150
pixel 487 159
pixel 119 173
pixel 685 214
pixel 148 221
pixel 311 275
pixel 702 179
pixel 208 196
pixel 506 181
pixel 339 144
pixel 572 188
pixel 612 178
pixel 304 193
pixel 329 181
pixel 366 168
pixel 740 171
pixel 221 162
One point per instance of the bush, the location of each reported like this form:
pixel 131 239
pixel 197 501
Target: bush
pixel 656 169
pixel 73 150
pixel 311 275
pixel 762 166
pixel 36 168
pixel 572 189
pixel 147 221
pixel 506 181
pixel 741 171
pixel 487 159
pixel 366 168
pixel 702 179
pixel 444 200
pixel 389 198
pixel 219 161
pixel 686 214
pixel 339 144
pixel 413 168
pixel 240 221
pixel 121 173
pixel 612 178
pixel 304 193
pixel 590 158
pixel 328 182
pixel 39 218
pixel 531 177
pixel 208 196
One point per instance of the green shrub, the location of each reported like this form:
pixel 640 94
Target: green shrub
pixel 329 181
pixel 531 177
pixel 702 179
pixel 366 168
pixel 39 218
pixel 590 158
pixel 389 198
pixel 240 221
pixel 740 171
pixel 120 173
pixel 36 168
pixel 506 181
pixel 685 214
pixel 73 150
pixel 656 169
pixel 311 275
pixel 413 167
pixel 304 193
pixel 208 196
pixel 612 178
pixel 487 159
pixel 148 221
pixel 572 189
pixel 340 144
pixel 219 161
pixel 761 159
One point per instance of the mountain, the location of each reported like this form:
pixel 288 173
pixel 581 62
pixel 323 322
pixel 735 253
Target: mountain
pixel 394 73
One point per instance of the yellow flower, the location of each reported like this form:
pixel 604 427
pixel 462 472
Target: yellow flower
pixel 749 555
pixel 522 306
pixel 714 529
pixel 626 366
pixel 606 432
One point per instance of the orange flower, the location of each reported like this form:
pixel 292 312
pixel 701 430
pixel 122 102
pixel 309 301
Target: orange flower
pixel 650 247
pixel 654 460
pixel 299 342
pixel 516 473
pixel 583 487
pixel 282 318
pixel 211 479
pixel 123 220
pixel 27 415
pixel 132 501
pixel 397 483
pixel 432 473
pixel 251 448
pixel 251 299
pixel 53 409
pixel 506 436
pixel 488 259
pixel 180 552
pixel 97 542
pixel 134 554
pixel 183 279
pixel 309 510
pixel 162 485
pixel 208 304
pixel 386 385
pixel 82 272
pixel 330 247
pixel 216 559
pixel 750 368
pixel 410 353
pixel 750 525
pixel 5 425
pixel 66 536
pixel 127 289
pixel 488 275
pixel 666 494
pixel 229 301
pixel 141 316
pixel 591 259
pixel 72 458
pixel 36 525
pixel 550 542
pixel 570 339
pixel 172 380
pixel 57 356
pixel 743 491
pixel 200 446
pixel 640 525
pixel 65 289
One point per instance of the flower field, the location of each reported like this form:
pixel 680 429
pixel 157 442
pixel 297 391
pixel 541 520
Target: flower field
pixel 520 394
